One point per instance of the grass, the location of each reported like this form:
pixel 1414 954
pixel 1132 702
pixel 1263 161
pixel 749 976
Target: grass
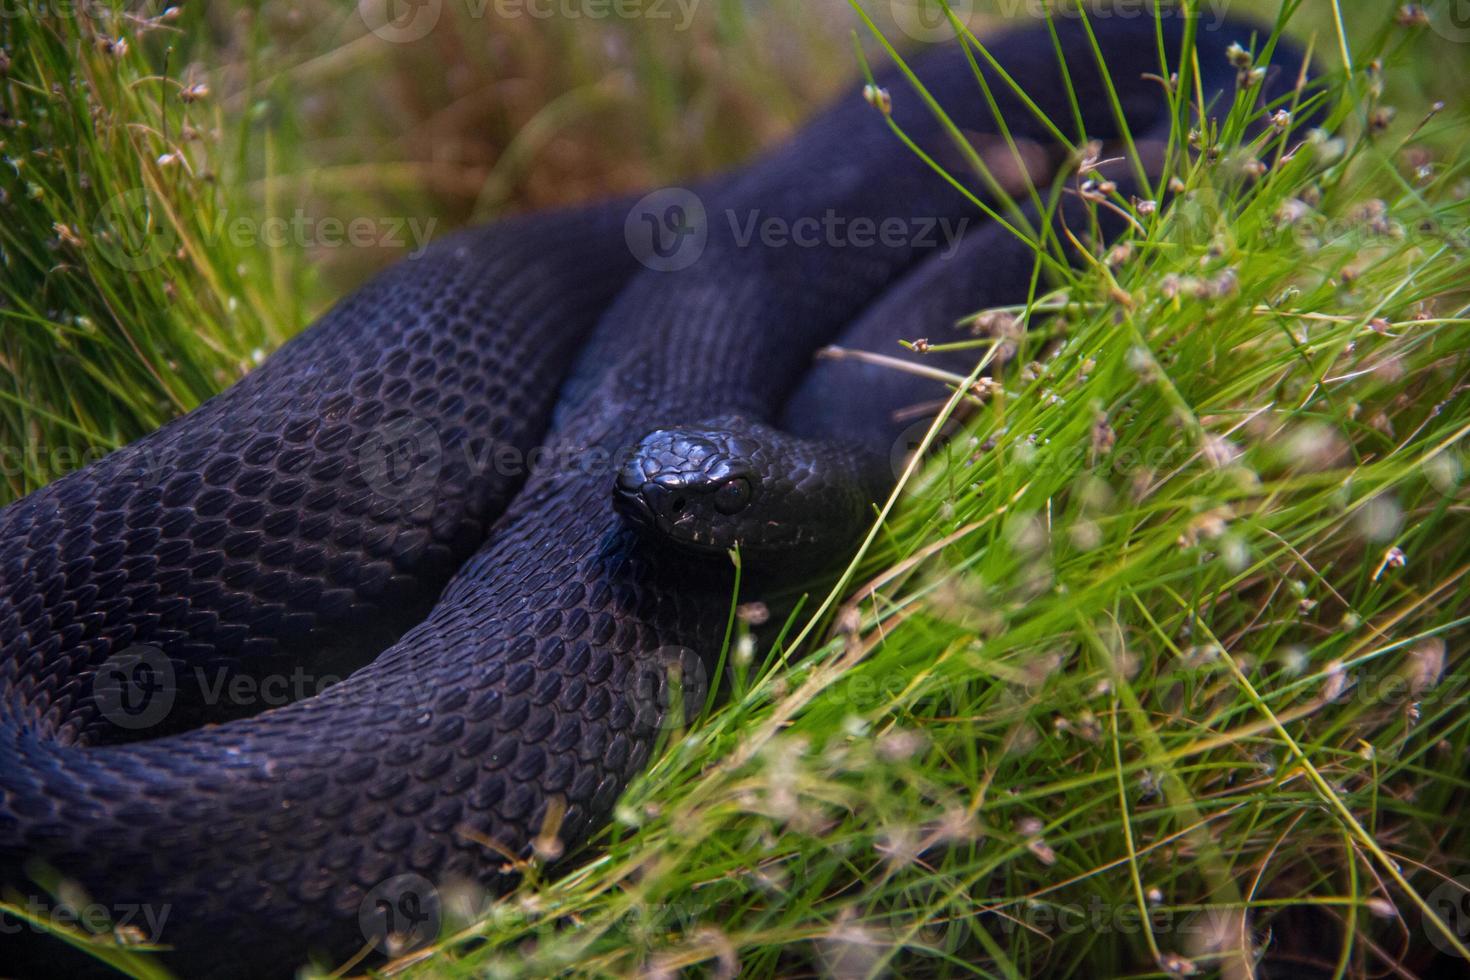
pixel 123 304
pixel 1165 641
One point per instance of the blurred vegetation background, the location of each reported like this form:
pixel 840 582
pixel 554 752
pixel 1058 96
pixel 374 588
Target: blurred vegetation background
pixel 511 104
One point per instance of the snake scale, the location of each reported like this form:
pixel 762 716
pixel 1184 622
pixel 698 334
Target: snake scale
pixel 364 504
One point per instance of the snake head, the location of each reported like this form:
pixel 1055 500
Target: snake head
pixel 690 486
pixel 733 483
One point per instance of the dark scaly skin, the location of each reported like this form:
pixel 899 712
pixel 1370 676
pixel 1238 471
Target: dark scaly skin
pixel 264 529
pixel 262 532
pixel 532 687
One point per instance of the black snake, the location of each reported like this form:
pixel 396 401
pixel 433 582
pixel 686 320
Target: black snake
pixel 417 492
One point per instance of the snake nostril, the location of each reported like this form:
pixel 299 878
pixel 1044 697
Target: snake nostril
pixel 676 506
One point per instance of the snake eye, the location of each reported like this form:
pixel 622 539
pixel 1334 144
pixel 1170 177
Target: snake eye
pixel 733 496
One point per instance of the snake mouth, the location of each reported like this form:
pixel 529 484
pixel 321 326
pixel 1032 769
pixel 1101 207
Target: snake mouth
pixel 653 505
pixel 660 507
pixel 630 502
pixel 643 501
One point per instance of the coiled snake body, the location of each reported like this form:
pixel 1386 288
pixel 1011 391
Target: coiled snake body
pixel 263 533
